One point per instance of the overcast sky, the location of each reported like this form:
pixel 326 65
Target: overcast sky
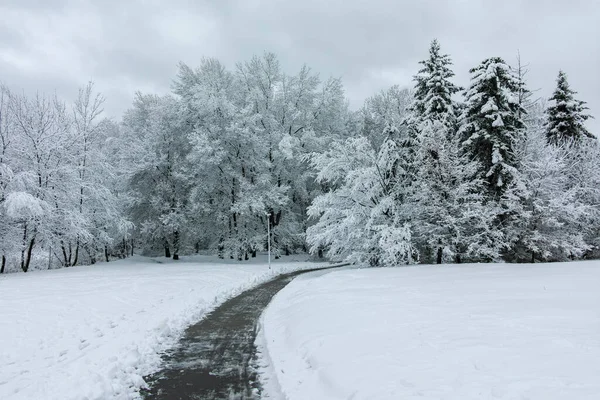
pixel 129 45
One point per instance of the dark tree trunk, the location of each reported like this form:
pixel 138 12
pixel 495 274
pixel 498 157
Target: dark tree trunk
pixel 76 259
pixel 124 250
pixel 106 253
pixel 457 259
pixel 320 253
pixel 25 267
pixel 3 264
pixel 254 253
pixel 167 251
pixel 176 245
pixel 132 247
pixel 533 257
pixel 65 257
pixel 439 255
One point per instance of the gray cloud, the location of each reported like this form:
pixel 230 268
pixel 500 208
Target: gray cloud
pixel 136 45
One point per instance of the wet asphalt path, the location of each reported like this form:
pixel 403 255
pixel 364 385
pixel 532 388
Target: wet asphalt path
pixel 216 357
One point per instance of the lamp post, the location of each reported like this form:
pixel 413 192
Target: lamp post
pixel 269 237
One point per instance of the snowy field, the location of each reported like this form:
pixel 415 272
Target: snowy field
pixel 93 332
pixel 451 332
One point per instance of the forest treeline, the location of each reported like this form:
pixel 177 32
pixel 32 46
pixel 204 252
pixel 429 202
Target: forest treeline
pixel 431 173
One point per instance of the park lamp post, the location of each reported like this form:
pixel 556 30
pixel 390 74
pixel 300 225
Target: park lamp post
pixel 269 237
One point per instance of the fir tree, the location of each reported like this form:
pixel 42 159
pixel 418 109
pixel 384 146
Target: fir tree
pixel 434 90
pixel 566 115
pixel 445 201
pixel 492 121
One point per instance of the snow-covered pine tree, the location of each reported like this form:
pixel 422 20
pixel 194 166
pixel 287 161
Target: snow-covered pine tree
pixel 434 90
pixel 579 151
pixel 491 122
pixel 445 202
pixel 491 125
pixel 566 115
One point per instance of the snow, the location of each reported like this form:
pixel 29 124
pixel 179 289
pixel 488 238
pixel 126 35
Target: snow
pixel 21 204
pixel 429 332
pixel 93 332
pixel 498 122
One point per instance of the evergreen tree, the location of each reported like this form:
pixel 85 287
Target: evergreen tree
pixel 434 90
pixel 445 202
pixel 566 115
pixel 492 121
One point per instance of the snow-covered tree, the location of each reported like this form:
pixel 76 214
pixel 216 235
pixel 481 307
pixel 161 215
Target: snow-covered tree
pixel 583 178
pixel 450 220
pixel 98 205
pixel 159 186
pixel 491 122
pixel 566 115
pixel 357 218
pixel 252 131
pixel 389 107
pixel 548 207
pixel 434 90
pixel 8 231
pixel 524 94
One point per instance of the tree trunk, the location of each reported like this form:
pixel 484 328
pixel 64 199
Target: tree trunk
pixel 167 251
pixel 457 259
pixel 439 255
pixel 533 257
pixel 3 264
pixel 23 248
pixel 76 253
pixel 28 259
pixel 253 253
pixel 65 257
pixel 320 253
pixel 131 247
pixel 176 245
pixel 124 251
pixel 220 249
pixel 106 253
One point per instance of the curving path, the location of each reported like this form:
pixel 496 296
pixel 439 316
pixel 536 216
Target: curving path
pixel 215 357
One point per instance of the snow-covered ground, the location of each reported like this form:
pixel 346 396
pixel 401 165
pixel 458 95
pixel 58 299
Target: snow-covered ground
pixel 450 332
pixel 93 332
